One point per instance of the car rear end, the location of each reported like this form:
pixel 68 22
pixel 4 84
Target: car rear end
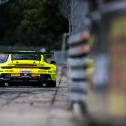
pixel 24 68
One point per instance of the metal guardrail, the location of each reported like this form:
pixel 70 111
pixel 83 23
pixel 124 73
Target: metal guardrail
pixel 77 70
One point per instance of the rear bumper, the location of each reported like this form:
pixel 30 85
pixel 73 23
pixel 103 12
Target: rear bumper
pixel 41 78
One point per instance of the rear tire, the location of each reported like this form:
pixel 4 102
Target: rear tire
pixel 42 84
pixel 2 84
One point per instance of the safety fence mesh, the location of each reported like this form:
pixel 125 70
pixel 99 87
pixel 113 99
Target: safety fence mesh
pixel 75 11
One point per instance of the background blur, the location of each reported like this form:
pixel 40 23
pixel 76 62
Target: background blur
pixel 32 22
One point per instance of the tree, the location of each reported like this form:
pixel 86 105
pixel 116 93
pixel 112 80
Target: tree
pixel 32 22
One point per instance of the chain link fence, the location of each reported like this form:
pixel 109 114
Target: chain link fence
pixel 60 57
pixel 61 61
pixel 72 10
pixel 65 8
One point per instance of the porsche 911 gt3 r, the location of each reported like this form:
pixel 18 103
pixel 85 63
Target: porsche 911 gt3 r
pixel 26 67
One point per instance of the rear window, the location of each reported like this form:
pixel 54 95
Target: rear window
pixel 26 57
pixel 3 58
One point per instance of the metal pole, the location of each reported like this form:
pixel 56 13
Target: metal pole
pixel 65 37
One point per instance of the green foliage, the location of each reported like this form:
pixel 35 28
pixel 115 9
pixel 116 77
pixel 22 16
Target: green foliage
pixel 32 22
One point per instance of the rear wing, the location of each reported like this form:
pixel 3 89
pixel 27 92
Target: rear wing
pixel 25 52
pixel 46 54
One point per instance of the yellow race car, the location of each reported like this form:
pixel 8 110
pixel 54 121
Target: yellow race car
pixel 26 66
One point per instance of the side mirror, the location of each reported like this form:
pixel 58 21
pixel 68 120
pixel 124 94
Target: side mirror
pixel 53 62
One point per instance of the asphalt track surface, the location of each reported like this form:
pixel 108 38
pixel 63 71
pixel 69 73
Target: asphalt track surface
pixel 32 106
